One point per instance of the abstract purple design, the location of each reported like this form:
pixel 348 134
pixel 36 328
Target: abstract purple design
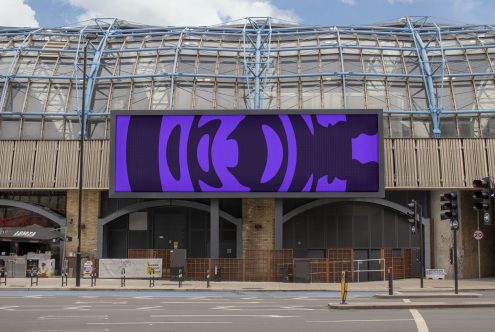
pixel 247 153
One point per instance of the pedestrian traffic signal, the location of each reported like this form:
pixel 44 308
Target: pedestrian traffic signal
pixel 483 198
pixel 449 209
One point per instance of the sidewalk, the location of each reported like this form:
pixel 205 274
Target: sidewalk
pixel 401 286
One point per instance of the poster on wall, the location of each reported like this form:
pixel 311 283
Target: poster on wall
pixel 134 268
pixel 247 153
pixel 46 267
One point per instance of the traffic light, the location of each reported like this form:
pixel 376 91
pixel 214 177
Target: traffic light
pixel 449 209
pixel 483 198
pixel 412 214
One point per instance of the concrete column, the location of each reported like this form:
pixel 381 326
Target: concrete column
pixel 214 229
pixel 89 233
pixel 258 224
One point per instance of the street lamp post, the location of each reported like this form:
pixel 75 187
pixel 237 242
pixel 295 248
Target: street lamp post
pixel 81 156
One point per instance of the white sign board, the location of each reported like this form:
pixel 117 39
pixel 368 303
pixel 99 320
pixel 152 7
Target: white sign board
pixel 435 273
pixel 478 235
pixel 134 268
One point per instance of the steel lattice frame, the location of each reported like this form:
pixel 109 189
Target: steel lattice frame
pixel 256 48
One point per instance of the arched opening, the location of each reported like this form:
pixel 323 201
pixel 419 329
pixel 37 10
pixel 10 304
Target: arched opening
pixel 168 227
pixel 364 229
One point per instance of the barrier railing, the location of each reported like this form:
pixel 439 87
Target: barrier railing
pixel 359 262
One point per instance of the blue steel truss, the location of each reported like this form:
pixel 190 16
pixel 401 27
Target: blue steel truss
pixel 257 49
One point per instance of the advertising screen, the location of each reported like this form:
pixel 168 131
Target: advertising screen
pixel 250 154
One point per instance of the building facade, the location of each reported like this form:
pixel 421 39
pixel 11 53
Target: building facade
pixel 434 82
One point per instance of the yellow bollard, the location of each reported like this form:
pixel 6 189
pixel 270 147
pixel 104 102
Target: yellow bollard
pixel 343 287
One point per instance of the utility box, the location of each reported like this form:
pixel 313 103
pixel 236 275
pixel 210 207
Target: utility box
pixel 177 263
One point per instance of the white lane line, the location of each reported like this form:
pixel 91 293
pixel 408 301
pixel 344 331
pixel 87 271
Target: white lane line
pixel 156 307
pixel 9 308
pixel 53 317
pixel 159 322
pixel 418 319
pixel 258 316
pixel 360 320
pixel 210 302
pixel 78 330
pixel 100 302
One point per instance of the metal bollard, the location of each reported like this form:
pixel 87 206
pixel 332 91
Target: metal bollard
pixel 390 275
pixel 122 277
pixel 343 287
pixel 207 278
pixel 64 279
pixel 152 278
pixel 3 277
pixel 34 275
pixel 180 278
pixel 93 279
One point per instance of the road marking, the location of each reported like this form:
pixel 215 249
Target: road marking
pixel 156 307
pixel 418 319
pixel 151 323
pixel 52 317
pixel 216 302
pixel 88 297
pixel 101 302
pixel 78 330
pixel 360 320
pixel 9 308
pixel 258 316
pixel 237 308
pixel 80 307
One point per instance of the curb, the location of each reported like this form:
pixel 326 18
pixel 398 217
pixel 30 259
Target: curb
pixel 427 296
pixel 401 305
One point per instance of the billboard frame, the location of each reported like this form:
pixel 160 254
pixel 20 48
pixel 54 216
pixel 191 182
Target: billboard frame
pixel 224 194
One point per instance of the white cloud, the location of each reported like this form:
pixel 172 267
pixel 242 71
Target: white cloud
pixel 17 13
pixel 180 12
pixel 349 2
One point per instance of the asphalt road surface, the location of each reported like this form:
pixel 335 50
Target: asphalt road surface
pixel 221 311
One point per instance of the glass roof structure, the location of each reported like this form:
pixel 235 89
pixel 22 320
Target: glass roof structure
pixel 431 79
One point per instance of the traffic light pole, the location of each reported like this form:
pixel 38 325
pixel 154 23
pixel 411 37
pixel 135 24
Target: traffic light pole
pixel 456 277
pixel 421 264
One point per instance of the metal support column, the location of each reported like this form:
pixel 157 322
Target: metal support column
pixel 279 224
pixel 214 229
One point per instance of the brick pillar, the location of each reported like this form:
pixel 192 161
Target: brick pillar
pixel 258 224
pixel 91 212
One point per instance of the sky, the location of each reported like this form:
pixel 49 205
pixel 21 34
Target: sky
pixel 56 13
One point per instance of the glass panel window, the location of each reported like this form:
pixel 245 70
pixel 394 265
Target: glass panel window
pixel 165 64
pixel 97 129
pixel 125 66
pixel 311 96
pixel 422 126
pixel 355 94
pixel 479 63
pixel 31 129
pixel 65 67
pixel 271 96
pixel 183 96
pixel 45 67
pixel 332 94
pixel 487 125
pixel 289 96
pixel 310 64
pixel 100 100
pixel 146 65
pixel 464 95
pixel 15 97
pixel 330 63
pixel 352 63
pixel 53 129
pixel 457 64
pixel 400 126
pixel 75 101
pixel 225 96
pixel 376 95
pixel 72 129
pixel 141 94
pixel 204 96
pixel 36 97
pixel 398 96
pixel 372 64
pixel 468 126
pixel 207 64
pixel 120 97
pixel 418 96
pixel 288 65
pixel 159 99
pixel 9 129
pixel 57 98
pixel 5 63
pixel 227 66
pixel 393 65
pixel 107 66
pixel 485 92
pixel 26 65
pixel 448 126
pixel 187 64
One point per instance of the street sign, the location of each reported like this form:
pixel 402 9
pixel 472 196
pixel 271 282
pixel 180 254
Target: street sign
pixel 478 235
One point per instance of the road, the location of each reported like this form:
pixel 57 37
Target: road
pixel 91 311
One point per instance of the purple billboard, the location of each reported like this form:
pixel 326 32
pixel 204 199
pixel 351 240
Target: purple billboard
pixel 242 155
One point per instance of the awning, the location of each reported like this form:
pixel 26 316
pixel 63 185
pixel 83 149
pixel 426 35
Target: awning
pixel 30 233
